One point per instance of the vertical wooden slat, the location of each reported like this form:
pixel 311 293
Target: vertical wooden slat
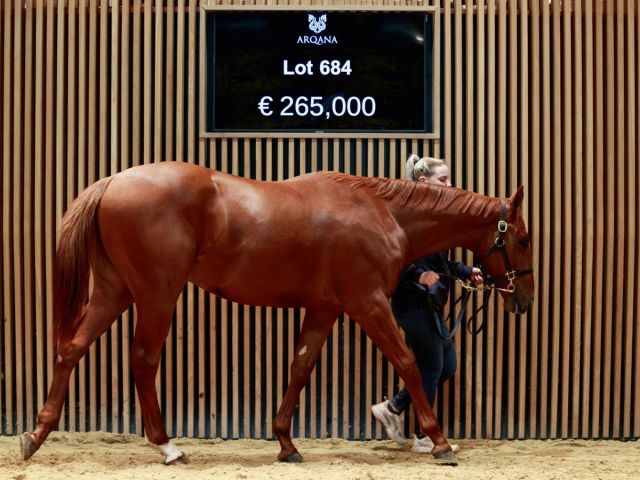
pixel 610 315
pixel 136 89
pixel 447 80
pixel 92 130
pixel 546 210
pixel 82 94
pixel 436 81
pixel 576 116
pixel 346 377
pixel 334 381
pixel 632 234
pixel 589 227
pixel 636 203
pixel 268 328
pixel 598 184
pixel 146 84
pixel 7 219
pixel 566 199
pixel 38 230
pixel 27 199
pixel 17 217
pixel 557 265
pixel 224 368
pixel 248 379
pixel 49 230
pixel 620 219
pixel 534 186
pixel 636 394
pixel 180 50
pixel 169 83
pixel 158 97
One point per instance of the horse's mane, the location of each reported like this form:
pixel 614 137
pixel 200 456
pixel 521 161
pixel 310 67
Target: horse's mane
pixel 408 193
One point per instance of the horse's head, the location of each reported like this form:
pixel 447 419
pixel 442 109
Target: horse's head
pixel 506 255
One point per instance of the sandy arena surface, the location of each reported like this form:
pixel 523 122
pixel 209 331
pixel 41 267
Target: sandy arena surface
pixel 100 456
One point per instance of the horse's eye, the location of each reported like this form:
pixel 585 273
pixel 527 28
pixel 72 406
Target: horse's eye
pixel 524 242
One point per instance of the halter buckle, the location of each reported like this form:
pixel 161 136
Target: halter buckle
pixel 502 226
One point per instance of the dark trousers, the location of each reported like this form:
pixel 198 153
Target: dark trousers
pixel 435 357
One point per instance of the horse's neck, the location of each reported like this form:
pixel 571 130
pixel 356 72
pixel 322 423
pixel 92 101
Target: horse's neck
pixel 431 226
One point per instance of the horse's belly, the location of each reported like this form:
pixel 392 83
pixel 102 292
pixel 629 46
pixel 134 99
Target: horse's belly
pixel 264 284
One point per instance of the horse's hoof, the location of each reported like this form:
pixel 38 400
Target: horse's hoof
pixel 27 446
pixel 181 460
pixel 446 458
pixel 294 457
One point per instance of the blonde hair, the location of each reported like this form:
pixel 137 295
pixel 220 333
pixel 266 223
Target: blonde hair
pixel 422 167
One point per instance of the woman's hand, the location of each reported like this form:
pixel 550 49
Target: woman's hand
pixel 476 276
pixel 428 278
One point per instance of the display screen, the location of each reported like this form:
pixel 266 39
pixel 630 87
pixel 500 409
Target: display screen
pixel 319 71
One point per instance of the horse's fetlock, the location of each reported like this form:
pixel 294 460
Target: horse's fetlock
pixel 48 417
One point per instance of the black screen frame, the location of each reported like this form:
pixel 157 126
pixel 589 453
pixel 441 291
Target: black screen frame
pixel 330 133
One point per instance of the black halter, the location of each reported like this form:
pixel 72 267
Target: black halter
pixel 490 282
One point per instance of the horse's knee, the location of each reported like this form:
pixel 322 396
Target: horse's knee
pixel 143 364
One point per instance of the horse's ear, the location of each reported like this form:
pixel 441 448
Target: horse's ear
pixel 516 199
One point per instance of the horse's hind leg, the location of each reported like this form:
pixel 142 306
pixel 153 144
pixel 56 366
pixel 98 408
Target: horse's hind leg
pixel 109 299
pixel 377 320
pixel 313 334
pixel 154 321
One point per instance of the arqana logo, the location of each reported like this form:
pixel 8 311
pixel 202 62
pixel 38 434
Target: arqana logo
pixel 317 25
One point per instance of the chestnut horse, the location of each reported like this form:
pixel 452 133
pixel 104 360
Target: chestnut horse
pixel 327 242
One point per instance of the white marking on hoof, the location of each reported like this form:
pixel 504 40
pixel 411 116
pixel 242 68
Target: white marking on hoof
pixel 169 450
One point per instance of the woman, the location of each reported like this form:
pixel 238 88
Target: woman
pixel 418 305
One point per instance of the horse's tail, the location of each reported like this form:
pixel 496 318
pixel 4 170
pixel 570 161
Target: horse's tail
pixel 77 240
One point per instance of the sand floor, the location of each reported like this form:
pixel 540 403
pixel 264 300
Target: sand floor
pixel 101 456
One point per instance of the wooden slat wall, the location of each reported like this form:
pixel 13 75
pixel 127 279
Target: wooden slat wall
pixel 531 92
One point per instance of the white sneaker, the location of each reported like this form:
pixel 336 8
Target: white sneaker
pixel 425 445
pixel 393 423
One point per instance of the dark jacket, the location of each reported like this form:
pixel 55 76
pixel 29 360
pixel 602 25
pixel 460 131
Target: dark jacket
pixel 436 296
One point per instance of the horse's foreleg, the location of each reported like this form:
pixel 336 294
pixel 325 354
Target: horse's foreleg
pixel 313 334
pixel 376 318
pixel 107 302
pixel 152 329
